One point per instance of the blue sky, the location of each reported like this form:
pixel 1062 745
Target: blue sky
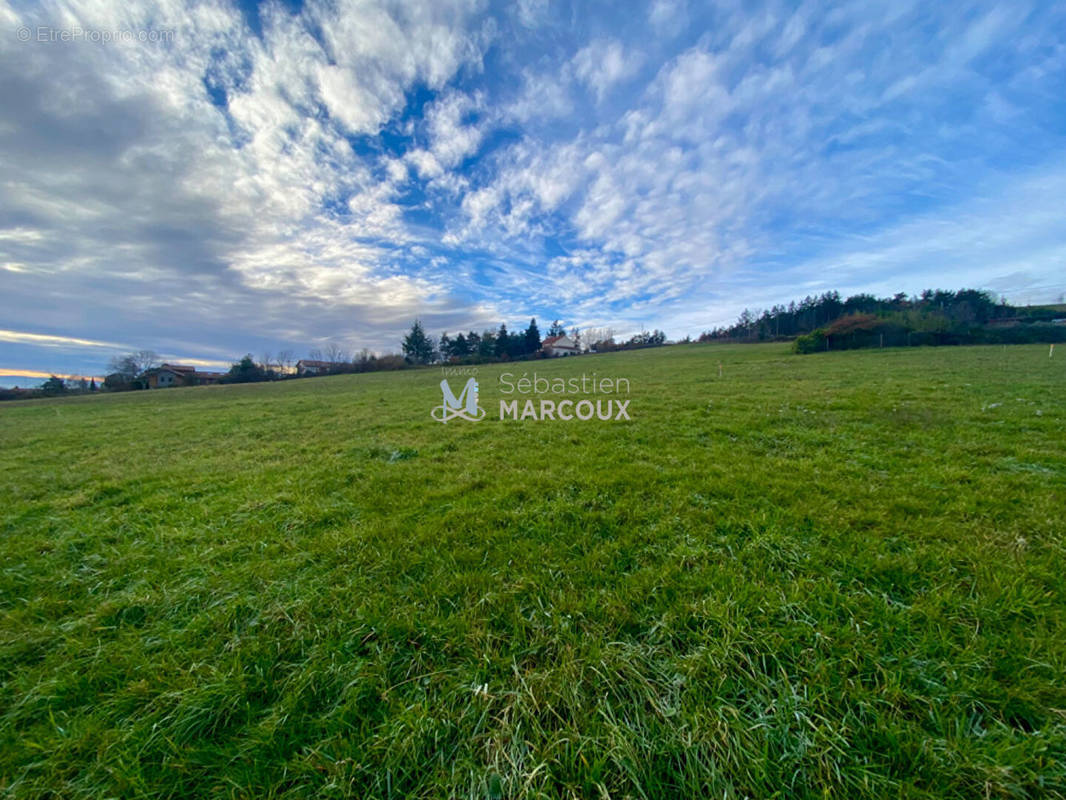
pixel 294 175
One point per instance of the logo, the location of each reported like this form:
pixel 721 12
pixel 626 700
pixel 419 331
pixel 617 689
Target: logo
pixel 464 406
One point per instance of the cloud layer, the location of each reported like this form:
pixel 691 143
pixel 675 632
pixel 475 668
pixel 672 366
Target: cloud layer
pixel 267 177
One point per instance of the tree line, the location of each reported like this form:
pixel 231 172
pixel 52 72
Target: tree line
pixel 795 319
pixel 934 317
pixel 501 344
pixel 489 345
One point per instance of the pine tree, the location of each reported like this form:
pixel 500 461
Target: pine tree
pixel 503 341
pixel 532 337
pixel 417 348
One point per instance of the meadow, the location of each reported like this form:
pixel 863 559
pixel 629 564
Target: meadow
pixel 837 575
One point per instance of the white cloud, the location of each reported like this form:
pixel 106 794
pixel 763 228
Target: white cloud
pixel 452 136
pixel 531 12
pixel 668 16
pixel 425 162
pixel 604 63
pixel 543 98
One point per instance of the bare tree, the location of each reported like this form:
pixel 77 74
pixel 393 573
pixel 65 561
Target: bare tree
pixel 336 354
pixel 360 360
pixel 133 364
pixel 598 336
pixel 266 361
pixel 147 359
pixel 285 359
pixel 315 354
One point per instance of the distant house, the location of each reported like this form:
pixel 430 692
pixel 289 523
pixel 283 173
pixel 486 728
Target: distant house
pixel 308 366
pixel 555 346
pixel 170 375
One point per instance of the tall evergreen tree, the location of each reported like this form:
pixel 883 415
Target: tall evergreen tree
pixel 417 348
pixel 532 343
pixel 503 341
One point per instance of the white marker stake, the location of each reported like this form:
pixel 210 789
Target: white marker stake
pixel 1051 352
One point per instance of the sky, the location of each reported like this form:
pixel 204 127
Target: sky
pixel 206 179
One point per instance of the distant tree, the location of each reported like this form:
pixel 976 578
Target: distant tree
pixel 363 361
pixel 285 360
pixel 444 347
pixel 53 386
pixel 503 341
pixel 645 339
pixel 417 347
pixel 599 339
pixel 245 371
pixel 532 339
pixel 133 365
pixel 556 329
pixel 575 334
pixel 335 354
pixel 92 384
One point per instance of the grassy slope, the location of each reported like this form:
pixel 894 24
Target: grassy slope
pixel 838 575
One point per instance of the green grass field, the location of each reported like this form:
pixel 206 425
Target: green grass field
pixel 837 576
